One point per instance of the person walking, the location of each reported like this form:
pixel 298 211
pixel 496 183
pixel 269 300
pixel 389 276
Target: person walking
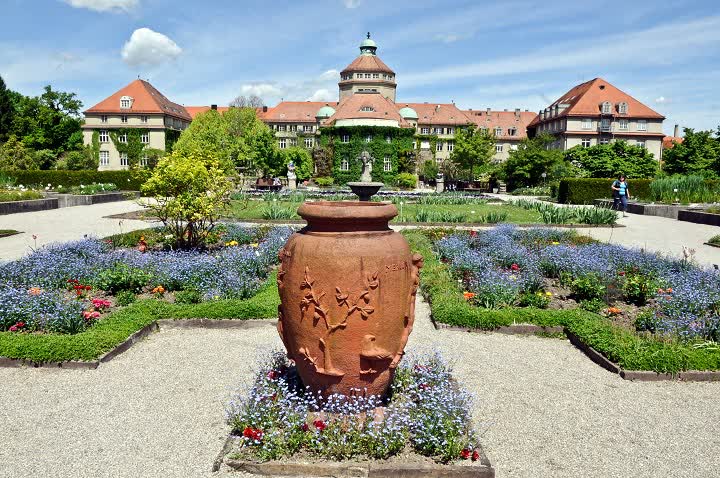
pixel 621 194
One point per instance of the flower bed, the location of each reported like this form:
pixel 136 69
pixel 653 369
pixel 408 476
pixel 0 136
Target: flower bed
pixel 278 418
pixel 73 288
pixel 675 304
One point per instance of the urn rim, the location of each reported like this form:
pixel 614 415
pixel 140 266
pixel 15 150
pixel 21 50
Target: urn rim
pixel 347 211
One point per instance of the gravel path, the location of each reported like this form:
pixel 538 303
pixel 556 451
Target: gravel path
pixel 545 409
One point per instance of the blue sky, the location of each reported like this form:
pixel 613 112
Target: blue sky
pixel 509 54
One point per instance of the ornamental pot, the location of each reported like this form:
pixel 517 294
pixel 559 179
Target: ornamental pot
pixel 347 286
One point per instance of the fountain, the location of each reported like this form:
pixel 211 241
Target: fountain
pixel 365 188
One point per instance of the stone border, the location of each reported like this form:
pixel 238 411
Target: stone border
pixel 71 200
pixel 699 216
pixel 368 469
pixel 149 329
pixel 31 205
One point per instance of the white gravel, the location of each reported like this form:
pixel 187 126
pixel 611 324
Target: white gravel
pixel 546 410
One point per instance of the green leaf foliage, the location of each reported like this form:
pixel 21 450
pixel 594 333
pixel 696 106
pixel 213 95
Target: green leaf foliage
pixel 473 148
pixel 612 159
pixel 532 158
pixel 699 153
pixel 124 180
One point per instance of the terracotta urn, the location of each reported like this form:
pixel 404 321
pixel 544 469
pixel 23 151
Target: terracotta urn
pixel 347 287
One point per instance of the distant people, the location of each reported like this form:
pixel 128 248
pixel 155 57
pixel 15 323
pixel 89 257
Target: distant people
pixel 621 194
pixel 276 182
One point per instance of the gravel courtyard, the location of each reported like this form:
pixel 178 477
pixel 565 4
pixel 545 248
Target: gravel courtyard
pixel 544 409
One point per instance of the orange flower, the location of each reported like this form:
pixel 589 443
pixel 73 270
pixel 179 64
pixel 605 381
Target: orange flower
pixel 158 290
pixel 669 290
pixel 614 311
pixel 35 291
pixel 468 295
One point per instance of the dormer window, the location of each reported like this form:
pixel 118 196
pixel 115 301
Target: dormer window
pixel 367 109
pixel 607 107
pixel 126 102
pixel 498 131
pixel 623 108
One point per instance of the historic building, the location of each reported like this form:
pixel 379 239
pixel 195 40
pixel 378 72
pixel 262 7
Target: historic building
pixel 596 112
pixel 368 113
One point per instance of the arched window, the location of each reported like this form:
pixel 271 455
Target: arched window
pixel 607 107
pixel 344 165
pixel 623 108
pixel 126 102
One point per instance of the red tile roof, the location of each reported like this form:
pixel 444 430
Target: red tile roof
pixel 193 111
pixel 670 141
pixel 295 111
pixel 438 113
pixel 503 119
pixel 586 99
pixel 352 108
pixel 367 63
pixel 146 100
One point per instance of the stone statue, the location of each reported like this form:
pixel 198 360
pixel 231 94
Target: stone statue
pixel 291 170
pixel 366 159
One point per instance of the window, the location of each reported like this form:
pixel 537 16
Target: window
pixel 292 127
pixel 125 102
pixel 587 123
pixel 359 75
pixel 104 136
pixel 498 148
pixel 623 108
pixel 585 142
pixel 368 138
pixel 282 144
pixel 607 107
pixel 123 159
pixel 451 131
pixel 293 141
pixel 308 128
pixel 376 75
pixel 143 119
pixel 450 145
pixel 642 125
pixel 103 119
pixel 425 130
pixel 367 75
pixel 439 130
pixel 439 146
pixel 367 108
pixel 122 138
pixel 345 138
pixel 604 141
pixel 123 118
pixel 104 158
pixel 605 124
pixel 512 131
pixel 640 143
pixel 144 160
pixel 623 124
pixel 387 164
pixel 281 127
pixel 498 131
pixel 145 138
pixel 344 165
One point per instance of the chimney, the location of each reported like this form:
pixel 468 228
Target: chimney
pixel 264 109
pixel 677 130
pixel 213 107
pixel 505 109
pixel 487 111
pixel 517 111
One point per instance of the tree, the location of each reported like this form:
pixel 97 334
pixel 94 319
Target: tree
pixel 302 160
pixel 473 147
pixel 80 160
pixel 252 101
pixel 699 153
pixel 609 160
pixel 14 155
pixel 7 111
pixel 190 192
pixel 530 160
pixel 429 170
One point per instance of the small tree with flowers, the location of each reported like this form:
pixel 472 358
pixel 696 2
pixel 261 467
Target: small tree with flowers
pixel 190 192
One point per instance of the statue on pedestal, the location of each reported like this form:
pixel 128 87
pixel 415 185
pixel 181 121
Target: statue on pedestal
pixel 366 159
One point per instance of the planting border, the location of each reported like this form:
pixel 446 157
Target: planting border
pixel 636 357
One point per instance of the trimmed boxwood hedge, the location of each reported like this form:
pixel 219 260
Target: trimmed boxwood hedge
pixel 124 180
pixel 586 190
pixel 111 331
pixel 629 350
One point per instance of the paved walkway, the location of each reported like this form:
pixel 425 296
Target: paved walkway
pixel 543 408
pixel 64 224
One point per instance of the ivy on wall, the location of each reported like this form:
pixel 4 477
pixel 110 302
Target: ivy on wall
pixel 95 147
pixel 401 142
pixel 432 138
pixel 171 137
pixel 133 147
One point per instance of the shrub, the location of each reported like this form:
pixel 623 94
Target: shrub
pixel 646 321
pixel 10 195
pixel 539 299
pixel 122 277
pixel 125 180
pixel 685 189
pixel 586 190
pixel 406 181
pixel 87 189
pixel 190 193
pixel 587 287
pixel 638 288
pixel 324 181
pixel 187 297
pixel 125 297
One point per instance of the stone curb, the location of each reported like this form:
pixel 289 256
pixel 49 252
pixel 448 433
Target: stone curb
pixel 6 362
pixel 521 329
pixel 465 225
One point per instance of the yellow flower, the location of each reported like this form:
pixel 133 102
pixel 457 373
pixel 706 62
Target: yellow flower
pixel 555 243
pixel 231 243
pixel 548 293
pixel 254 244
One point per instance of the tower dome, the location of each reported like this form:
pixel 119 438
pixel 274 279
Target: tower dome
pixel 325 112
pixel 367 74
pixel 408 113
pixel 368 46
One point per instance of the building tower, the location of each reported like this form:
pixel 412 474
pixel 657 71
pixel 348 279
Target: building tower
pixel 367 73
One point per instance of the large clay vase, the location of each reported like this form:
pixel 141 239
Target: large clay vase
pixel 347 287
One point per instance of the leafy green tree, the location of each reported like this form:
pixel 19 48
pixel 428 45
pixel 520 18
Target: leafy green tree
pixel 473 147
pixel 45 158
pixel 302 160
pixel 699 153
pixel 429 169
pixel 7 111
pixel 190 191
pixel 530 160
pixel 609 160
pixel 79 160
pixel 14 155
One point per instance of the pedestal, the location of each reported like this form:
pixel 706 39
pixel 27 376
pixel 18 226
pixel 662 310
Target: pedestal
pixel 440 185
pixel 292 183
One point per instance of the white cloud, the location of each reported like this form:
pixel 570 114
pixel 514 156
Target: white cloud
pixel 352 3
pixel 448 37
pixel 148 47
pixel 323 94
pixel 662 100
pixel 115 6
pixel 330 75
pixel 263 90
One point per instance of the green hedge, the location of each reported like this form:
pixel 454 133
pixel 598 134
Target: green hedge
pixel 586 190
pixel 629 350
pixel 124 180
pixel 117 327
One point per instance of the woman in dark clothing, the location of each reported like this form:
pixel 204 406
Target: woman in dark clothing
pixel 621 194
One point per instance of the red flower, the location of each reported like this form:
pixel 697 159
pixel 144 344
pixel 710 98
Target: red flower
pixel 515 267
pixel 473 233
pixel 253 433
pixel 20 324
pixel 247 433
pixel 305 427
pixel 88 287
pixel 475 456
pixel 465 454
pixel 621 273
pixel 273 375
pixel 320 425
